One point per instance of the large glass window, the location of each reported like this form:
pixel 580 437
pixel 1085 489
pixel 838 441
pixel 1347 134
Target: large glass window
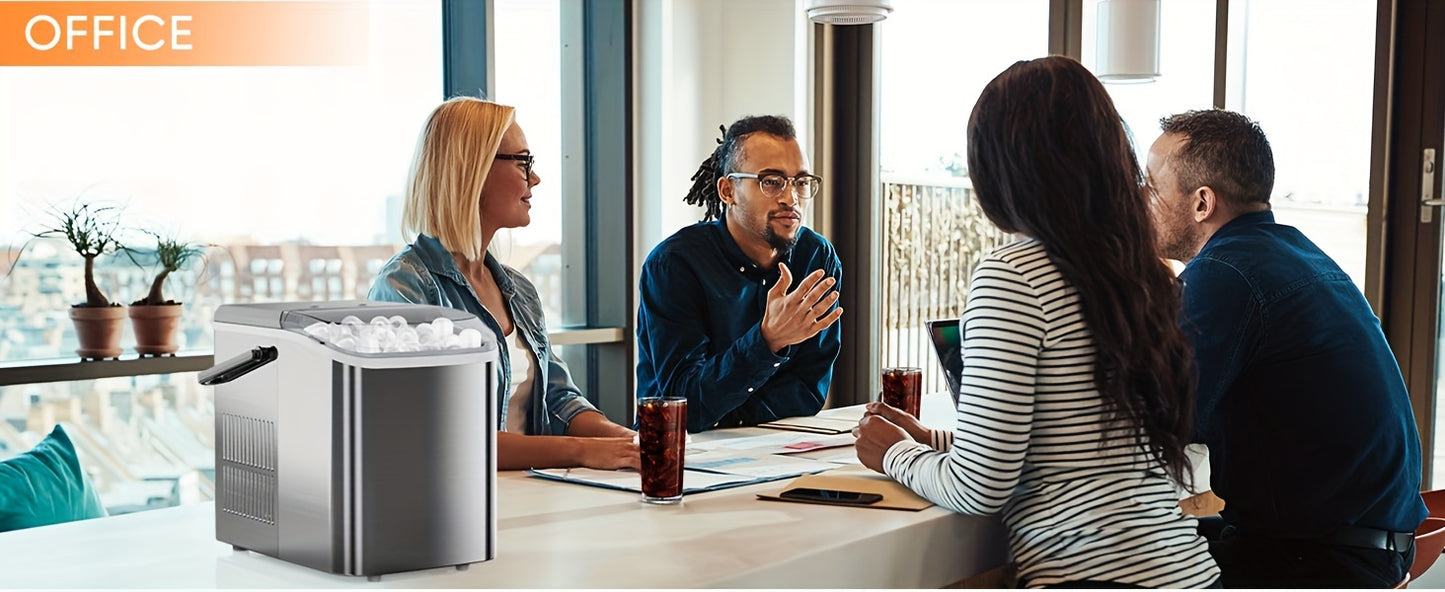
pixel 146 442
pixel 1321 144
pixel 527 43
pixel 1186 67
pixel 295 175
pixel 936 57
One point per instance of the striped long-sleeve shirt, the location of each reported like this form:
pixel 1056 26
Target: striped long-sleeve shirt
pixel 1080 502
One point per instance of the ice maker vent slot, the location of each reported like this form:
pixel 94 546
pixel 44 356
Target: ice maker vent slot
pixel 246 483
pixel 248 493
pixel 248 441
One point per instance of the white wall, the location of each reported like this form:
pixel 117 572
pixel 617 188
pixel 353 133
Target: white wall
pixel 701 64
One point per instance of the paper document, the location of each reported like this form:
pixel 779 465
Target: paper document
pixel 853 413
pixel 814 424
pixel 753 465
pixel 783 443
pixel 841 456
pixel 627 480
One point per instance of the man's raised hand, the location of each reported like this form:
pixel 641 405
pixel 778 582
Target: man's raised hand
pixel 793 318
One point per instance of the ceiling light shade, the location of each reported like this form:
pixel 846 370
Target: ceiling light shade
pixel 1128 49
pixel 848 12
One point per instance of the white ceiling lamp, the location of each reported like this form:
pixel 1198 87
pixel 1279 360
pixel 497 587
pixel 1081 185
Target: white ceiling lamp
pixel 1128 50
pixel 848 12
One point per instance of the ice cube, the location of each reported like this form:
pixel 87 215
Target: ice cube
pixel 470 338
pixel 383 333
pixel 319 330
pixel 347 343
pixel 367 345
pixel 405 334
pixel 397 321
pixel 351 320
pixel 443 326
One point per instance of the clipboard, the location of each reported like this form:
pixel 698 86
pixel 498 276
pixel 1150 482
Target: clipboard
pixel 895 495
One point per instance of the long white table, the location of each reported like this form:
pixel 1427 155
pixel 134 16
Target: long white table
pixel 555 535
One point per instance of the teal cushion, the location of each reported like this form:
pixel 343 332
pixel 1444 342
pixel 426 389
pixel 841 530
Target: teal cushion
pixel 46 486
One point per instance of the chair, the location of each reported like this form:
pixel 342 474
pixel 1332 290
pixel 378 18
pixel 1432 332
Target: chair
pixel 1429 542
pixel 1435 502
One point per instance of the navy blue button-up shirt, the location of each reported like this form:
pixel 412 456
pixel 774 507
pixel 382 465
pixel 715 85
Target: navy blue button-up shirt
pixel 1300 400
pixel 699 330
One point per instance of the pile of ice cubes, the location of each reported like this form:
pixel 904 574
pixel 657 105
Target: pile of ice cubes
pixel 393 334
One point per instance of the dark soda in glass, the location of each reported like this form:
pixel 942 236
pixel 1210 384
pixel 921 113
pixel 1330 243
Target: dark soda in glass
pixel 903 388
pixel 662 436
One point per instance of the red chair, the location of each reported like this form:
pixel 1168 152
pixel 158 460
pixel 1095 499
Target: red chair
pixel 1435 502
pixel 1429 542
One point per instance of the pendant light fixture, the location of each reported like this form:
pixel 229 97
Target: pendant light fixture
pixel 848 12
pixel 1128 49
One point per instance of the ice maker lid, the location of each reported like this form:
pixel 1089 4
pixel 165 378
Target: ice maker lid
pixel 276 315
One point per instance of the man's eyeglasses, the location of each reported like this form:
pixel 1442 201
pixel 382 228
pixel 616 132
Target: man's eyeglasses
pixel 773 184
pixel 525 159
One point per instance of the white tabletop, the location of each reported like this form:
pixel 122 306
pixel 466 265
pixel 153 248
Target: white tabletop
pixel 558 535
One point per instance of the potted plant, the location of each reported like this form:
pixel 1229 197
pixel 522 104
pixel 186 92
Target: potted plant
pixel 155 318
pixel 90 230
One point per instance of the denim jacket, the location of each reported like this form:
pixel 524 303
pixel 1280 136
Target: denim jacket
pixel 424 273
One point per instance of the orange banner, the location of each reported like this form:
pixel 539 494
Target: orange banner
pixel 187 33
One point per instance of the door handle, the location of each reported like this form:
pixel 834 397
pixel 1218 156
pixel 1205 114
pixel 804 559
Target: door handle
pixel 1428 201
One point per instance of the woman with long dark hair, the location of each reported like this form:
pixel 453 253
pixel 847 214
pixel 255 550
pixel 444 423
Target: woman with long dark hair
pixel 1077 389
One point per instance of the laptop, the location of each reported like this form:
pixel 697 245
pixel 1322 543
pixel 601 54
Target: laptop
pixel 947 338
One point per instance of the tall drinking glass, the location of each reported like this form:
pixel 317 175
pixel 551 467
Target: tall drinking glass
pixel 903 388
pixel 662 436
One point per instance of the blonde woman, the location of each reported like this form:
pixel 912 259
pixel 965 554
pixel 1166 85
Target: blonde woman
pixel 471 176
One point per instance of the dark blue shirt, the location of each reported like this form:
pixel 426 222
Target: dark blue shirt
pixel 699 330
pixel 1300 400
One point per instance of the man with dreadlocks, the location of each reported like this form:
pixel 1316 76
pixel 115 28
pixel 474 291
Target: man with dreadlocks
pixel 722 321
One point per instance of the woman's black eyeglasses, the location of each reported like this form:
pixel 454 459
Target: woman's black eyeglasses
pixel 525 159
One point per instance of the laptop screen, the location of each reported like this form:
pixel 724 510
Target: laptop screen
pixel 947 337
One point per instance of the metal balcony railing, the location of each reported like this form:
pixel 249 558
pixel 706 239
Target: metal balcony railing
pixel 933 236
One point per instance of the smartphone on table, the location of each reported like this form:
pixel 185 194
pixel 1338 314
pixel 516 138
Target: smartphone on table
pixel 832 496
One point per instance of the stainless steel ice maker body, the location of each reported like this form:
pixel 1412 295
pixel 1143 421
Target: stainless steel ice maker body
pixel 352 463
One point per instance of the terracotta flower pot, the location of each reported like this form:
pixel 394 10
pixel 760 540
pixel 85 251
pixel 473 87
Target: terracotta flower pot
pixel 155 328
pixel 98 329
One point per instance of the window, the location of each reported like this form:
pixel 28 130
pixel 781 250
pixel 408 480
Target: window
pixel 1321 147
pixel 528 48
pixel 1186 72
pixel 937 55
pixel 145 441
pixel 296 175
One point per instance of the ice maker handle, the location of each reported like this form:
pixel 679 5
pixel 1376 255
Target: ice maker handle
pixel 238 366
